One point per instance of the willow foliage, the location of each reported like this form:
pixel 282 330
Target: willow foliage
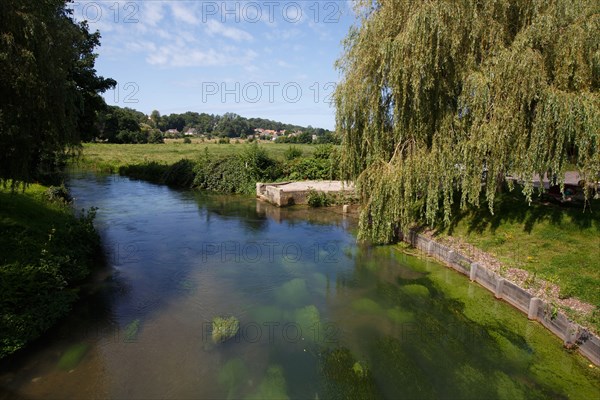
pixel 49 90
pixel 435 92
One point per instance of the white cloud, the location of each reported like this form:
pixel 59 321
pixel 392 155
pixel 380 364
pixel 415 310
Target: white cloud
pixel 217 28
pixel 176 55
pixel 151 12
pixel 283 34
pixel 183 13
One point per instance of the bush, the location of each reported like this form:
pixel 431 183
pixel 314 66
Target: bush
pixel 225 174
pixel 292 152
pixel 39 285
pixel 155 136
pixel 235 173
pixel 149 171
pixel 180 174
pixel 308 168
pixel 319 199
pixel 59 194
pixel 223 140
pixel 187 140
pixel 131 137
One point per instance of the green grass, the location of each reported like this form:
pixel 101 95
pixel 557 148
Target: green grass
pixel 45 252
pixel 109 157
pixel 26 219
pixel 558 243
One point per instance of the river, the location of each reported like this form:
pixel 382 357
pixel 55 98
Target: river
pixel 320 316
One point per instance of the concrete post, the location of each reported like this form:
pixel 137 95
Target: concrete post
pixel 534 304
pixel 450 256
pixel 345 208
pixel 499 287
pixel 430 247
pixel 473 272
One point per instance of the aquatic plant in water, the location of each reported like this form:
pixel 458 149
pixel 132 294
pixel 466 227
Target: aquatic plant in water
pixel 293 292
pixel 416 290
pixel 273 385
pixel 366 305
pixel 224 329
pixel 74 354
pixel 308 319
pixel 131 330
pixel 232 375
pixel 343 377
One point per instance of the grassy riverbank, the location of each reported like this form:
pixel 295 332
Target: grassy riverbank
pixel 45 251
pixel 557 246
pixel 223 168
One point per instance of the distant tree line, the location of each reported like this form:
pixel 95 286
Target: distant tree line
pixel 125 125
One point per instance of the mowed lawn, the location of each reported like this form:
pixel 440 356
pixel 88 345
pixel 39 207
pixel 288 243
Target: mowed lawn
pixel 558 243
pixel 109 157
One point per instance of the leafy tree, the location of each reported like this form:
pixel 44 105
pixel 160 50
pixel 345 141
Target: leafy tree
pixel 115 119
pixel 155 118
pixel 49 90
pixel 435 92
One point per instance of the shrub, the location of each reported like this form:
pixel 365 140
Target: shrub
pixel 319 199
pixel 187 140
pixel 155 136
pixel 59 194
pixel 149 171
pixel 235 173
pixel 223 140
pixel 292 152
pixel 39 286
pixel 323 151
pixel 308 168
pixel 180 174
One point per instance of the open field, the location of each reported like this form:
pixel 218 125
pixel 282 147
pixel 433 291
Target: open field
pixel 109 157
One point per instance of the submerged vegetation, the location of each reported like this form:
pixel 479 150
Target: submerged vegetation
pixel 45 251
pixel 224 329
pixel 440 96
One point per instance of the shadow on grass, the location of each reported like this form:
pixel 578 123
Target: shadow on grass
pixel 513 208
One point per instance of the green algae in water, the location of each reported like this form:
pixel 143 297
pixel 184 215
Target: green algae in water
pixel 508 389
pixel 366 305
pixel 73 356
pixel 343 377
pixel 224 329
pixel 232 375
pixel 359 370
pixel 132 330
pixel 266 314
pixel 308 319
pixel 398 373
pixel 293 292
pixel 399 316
pixel 319 283
pixel 273 385
pixel 416 290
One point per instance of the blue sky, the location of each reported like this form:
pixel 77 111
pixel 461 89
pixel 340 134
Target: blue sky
pixel 268 59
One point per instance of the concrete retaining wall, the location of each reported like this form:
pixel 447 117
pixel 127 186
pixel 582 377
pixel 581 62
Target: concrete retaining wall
pixel 572 334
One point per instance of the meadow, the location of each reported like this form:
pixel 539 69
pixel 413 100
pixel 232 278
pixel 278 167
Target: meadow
pixel 109 157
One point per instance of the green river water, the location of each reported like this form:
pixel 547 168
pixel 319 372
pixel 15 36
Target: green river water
pixel 320 316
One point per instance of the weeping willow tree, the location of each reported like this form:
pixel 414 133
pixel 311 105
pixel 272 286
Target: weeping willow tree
pixel 436 92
